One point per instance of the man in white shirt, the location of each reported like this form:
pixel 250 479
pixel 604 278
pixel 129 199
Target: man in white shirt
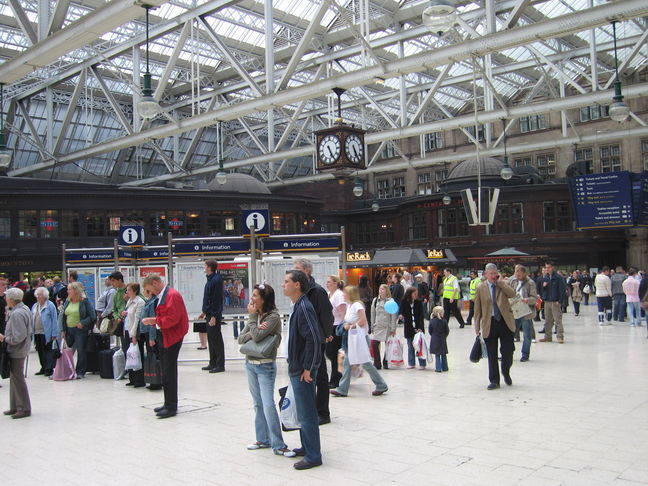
pixel 603 286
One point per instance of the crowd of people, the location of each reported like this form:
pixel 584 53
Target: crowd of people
pixel 350 325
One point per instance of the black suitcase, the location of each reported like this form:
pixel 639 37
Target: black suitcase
pixel 96 344
pixel 106 362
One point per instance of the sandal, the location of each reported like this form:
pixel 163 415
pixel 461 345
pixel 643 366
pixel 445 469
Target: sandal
pixel 257 445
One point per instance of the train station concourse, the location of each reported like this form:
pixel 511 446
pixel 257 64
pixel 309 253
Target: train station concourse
pixel 447 180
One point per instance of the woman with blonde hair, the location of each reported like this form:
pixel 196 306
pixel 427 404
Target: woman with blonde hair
pixel 383 324
pixel 439 331
pixel 355 319
pixel 334 287
pixel 75 321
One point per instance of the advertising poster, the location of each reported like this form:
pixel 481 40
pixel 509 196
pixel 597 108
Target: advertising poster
pixel 88 278
pixel 144 272
pixel 236 286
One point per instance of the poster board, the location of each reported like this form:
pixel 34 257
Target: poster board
pixel 236 286
pixel 88 278
pixel 143 272
pixel 190 282
pixel 275 269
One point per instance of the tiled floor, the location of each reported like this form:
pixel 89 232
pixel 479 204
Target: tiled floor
pixel 577 414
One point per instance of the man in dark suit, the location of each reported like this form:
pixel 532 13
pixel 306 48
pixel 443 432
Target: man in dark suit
pixel 396 288
pixel 212 312
pixel 171 318
pixel 494 319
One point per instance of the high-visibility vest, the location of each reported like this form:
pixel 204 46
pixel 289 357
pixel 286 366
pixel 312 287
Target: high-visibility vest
pixel 473 287
pixel 449 291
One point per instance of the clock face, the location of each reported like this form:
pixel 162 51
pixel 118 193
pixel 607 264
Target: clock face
pixel 354 149
pixel 329 149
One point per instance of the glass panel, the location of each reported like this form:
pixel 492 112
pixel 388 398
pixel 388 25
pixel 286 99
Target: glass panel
pixel 96 224
pixel 49 224
pixel 28 224
pixel 5 224
pixel 193 223
pixel 70 223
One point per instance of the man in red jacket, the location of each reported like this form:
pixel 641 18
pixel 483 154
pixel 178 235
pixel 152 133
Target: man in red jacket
pixel 171 318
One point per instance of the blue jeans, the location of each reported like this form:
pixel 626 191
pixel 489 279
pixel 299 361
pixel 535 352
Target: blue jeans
pixel 410 354
pixel 77 339
pixel 634 313
pixel 619 312
pixel 261 380
pixel 526 326
pixel 345 381
pixel 308 418
pixel 441 361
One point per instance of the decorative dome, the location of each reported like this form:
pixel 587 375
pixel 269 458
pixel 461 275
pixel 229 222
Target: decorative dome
pixel 242 183
pixel 467 169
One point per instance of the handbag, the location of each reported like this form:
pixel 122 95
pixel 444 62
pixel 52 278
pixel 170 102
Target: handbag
pixel 152 369
pixel 56 350
pixel 263 349
pixel 104 327
pixel 476 351
pixel 133 358
pixel 587 289
pixel 644 302
pixel 5 361
pixel 64 369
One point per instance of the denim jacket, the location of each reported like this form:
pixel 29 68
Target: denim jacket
pixel 148 311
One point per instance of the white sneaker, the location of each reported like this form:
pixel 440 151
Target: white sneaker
pixel 257 445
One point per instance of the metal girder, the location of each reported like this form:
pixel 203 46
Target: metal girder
pixel 23 21
pixel 196 138
pixel 633 91
pixel 303 44
pixel 71 107
pixel 430 94
pixel 58 17
pixel 35 137
pixel 635 50
pixel 173 59
pixel 556 69
pixel 113 103
pixel 515 14
pixel 422 61
pixel 230 58
pixel 75 35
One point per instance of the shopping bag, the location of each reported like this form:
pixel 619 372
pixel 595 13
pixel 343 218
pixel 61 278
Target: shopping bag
pixel 133 358
pixel 119 364
pixel 478 350
pixel 64 369
pixel 340 360
pixel 152 370
pixel 288 409
pixel 394 352
pixel 421 346
pixel 358 348
pixel 357 371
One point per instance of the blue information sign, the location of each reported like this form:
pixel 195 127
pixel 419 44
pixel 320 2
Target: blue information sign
pixel 159 254
pixel 640 198
pixel 92 256
pixel 218 248
pixel 301 245
pixel 603 200
pixel 131 235
pixel 257 218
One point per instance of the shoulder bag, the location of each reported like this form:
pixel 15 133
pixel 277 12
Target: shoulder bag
pixel 644 302
pixel 5 361
pixel 263 349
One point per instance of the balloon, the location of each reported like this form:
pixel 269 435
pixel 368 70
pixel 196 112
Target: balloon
pixel 391 307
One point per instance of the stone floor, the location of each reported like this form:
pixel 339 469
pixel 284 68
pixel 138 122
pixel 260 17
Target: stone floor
pixel 576 415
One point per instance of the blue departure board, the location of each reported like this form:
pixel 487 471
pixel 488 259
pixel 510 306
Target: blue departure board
pixel 603 200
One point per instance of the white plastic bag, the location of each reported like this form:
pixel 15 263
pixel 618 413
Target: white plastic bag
pixel 394 352
pixel 358 348
pixel 133 358
pixel 119 364
pixel 288 414
pixel 483 346
pixel 421 346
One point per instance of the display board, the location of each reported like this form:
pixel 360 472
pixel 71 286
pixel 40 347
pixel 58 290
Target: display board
pixel 236 286
pixel 640 198
pixel 274 271
pixel 88 278
pixel 144 272
pixel 190 282
pixel 603 200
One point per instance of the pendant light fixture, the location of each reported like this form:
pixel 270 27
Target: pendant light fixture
pixel 221 175
pixel 619 111
pixel 506 173
pixel 147 107
pixel 439 16
pixel 358 190
pixel 5 155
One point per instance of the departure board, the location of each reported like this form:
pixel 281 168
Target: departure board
pixel 603 200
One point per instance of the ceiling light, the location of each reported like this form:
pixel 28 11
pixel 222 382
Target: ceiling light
pixel 358 190
pixel 439 16
pixel 375 207
pixel 147 106
pixel 618 111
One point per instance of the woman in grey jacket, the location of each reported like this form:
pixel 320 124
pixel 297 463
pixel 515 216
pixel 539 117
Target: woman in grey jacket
pixel 383 324
pixel 18 338
pixel 264 321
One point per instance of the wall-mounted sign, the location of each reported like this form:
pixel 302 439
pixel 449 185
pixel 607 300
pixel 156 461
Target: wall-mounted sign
pixel 220 248
pixel 301 246
pixel 131 235
pixel 91 256
pixel 359 256
pixel 259 219
pixel 434 254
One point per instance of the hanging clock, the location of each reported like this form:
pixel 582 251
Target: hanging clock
pixel 354 148
pixel 340 147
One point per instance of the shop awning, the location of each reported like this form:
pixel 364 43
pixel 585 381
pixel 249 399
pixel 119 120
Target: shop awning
pixel 507 252
pixel 406 257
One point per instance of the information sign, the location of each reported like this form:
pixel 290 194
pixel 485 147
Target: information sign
pixel 602 200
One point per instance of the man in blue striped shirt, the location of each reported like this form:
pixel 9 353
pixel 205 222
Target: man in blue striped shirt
pixel 304 355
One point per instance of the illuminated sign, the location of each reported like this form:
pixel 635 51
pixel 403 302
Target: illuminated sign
pixel 359 256
pixel 434 254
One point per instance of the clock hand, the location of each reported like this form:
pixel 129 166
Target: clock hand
pixel 354 151
pixel 330 151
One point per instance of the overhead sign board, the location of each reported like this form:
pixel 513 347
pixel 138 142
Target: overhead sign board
pixel 219 248
pixel 93 256
pixel 603 200
pixel 301 245
pixel 131 235
pixel 259 219
pixel 359 256
pixel 640 198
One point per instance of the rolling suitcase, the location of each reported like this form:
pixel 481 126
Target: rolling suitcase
pixel 106 363
pixel 96 344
